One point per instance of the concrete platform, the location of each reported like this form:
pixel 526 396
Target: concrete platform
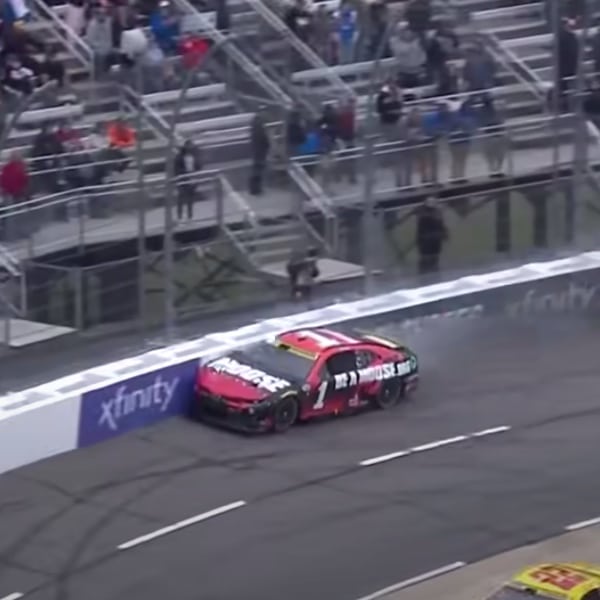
pixel 23 333
pixel 332 270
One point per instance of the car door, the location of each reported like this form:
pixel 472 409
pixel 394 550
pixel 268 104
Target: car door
pixel 335 385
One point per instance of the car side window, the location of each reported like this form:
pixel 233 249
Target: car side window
pixel 341 362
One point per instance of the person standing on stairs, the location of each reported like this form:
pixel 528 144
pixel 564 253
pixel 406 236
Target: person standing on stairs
pixel 260 145
pixel 188 163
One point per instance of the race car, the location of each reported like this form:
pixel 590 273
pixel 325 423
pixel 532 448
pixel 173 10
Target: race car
pixel 556 581
pixel 301 375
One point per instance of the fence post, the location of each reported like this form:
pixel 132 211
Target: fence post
pixel 79 300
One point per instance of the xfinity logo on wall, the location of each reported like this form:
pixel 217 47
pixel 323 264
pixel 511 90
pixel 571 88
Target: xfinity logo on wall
pixel 575 298
pixel 137 402
pixel 156 397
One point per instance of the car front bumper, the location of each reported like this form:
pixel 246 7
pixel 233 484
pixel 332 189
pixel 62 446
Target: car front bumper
pixel 217 411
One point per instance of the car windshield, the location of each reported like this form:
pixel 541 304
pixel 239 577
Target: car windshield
pixel 510 593
pixel 275 360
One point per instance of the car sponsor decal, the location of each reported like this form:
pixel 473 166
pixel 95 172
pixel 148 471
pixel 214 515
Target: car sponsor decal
pixel 374 373
pixel 254 376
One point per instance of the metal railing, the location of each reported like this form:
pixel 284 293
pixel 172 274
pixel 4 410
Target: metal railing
pixel 73 42
pixel 339 89
pixel 205 27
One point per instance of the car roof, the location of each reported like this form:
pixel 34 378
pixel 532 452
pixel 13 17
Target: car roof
pixel 314 341
pixel 560 580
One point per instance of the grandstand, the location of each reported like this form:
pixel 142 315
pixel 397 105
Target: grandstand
pixel 260 63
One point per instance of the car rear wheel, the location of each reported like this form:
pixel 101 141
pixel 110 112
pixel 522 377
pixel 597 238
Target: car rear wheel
pixel 389 395
pixel 285 414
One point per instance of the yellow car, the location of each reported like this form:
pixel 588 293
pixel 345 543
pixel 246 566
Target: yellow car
pixel 557 581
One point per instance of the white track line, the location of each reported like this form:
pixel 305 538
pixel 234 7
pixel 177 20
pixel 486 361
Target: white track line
pixel 414 580
pixel 13 596
pixel 180 525
pixel 369 462
pixel 491 431
pixel 439 444
pixel 582 524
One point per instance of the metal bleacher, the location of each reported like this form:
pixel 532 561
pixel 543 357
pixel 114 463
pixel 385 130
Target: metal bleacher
pixel 264 64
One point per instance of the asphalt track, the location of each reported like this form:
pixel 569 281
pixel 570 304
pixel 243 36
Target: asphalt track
pixel 316 524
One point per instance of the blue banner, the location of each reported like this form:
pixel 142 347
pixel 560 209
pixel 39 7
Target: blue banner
pixel 136 402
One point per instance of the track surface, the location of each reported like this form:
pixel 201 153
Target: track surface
pixel 317 525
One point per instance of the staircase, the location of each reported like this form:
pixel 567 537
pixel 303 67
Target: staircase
pixel 16 330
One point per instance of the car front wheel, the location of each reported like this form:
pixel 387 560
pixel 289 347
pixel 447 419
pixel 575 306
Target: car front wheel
pixel 285 414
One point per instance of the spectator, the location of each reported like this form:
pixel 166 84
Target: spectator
pixel 260 145
pixel 295 132
pixel 461 126
pixel 378 17
pixel 158 72
pixel 45 151
pixel 411 136
pixel 494 142
pixel 568 52
pixel 411 57
pixel 120 135
pixel 293 267
pixel 188 162
pixel 99 153
pixel 327 127
pixel 418 16
pixel 52 68
pixel 75 16
pixel 121 17
pixel 193 49
pixel 346 128
pixel 347 32
pixel 18 77
pixel 299 19
pixel 389 108
pixel 434 125
pixel 596 52
pixel 134 43
pixel 14 11
pixel 14 179
pixel 440 49
pixel 321 35
pixel 223 16
pixel 307 273
pixel 591 103
pixel 431 235
pixel 479 70
pixel 165 29
pixel 99 38
pixel 448 81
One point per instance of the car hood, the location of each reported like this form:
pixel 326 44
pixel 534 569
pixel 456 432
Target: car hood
pixel 238 380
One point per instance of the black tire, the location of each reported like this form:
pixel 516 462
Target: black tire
pixel 389 395
pixel 285 414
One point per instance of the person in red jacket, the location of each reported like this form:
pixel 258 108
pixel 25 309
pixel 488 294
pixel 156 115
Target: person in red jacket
pixel 14 180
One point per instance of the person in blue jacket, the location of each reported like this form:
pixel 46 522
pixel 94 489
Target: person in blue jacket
pixel 462 126
pixel 165 29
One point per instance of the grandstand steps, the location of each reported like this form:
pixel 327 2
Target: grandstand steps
pixel 268 247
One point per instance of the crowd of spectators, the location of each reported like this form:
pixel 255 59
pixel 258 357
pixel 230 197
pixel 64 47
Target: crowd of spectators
pixel 26 61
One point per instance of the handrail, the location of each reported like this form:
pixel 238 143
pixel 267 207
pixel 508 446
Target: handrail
pixel 320 200
pixel 58 198
pixel 305 51
pixel 73 41
pixel 238 57
pixel 8 261
pixel 239 200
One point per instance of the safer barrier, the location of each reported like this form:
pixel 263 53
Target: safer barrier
pixel 98 404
